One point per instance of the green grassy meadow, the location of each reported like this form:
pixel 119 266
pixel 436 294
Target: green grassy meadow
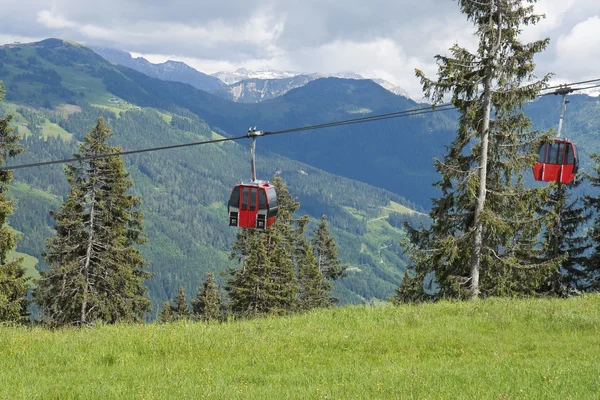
pixel 493 349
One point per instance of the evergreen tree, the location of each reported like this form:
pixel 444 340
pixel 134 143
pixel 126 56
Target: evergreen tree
pixel 411 289
pixel 314 286
pixel 250 287
pixel 180 309
pixel 207 306
pixel 95 273
pixel 13 282
pixel 326 252
pixel 563 238
pixel 166 315
pixel 592 264
pixel 266 282
pixel 485 226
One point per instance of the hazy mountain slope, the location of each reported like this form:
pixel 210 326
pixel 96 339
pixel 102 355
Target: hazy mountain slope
pixel 242 74
pixel 252 89
pixel 168 71
pixel 257 90
pixel 395 154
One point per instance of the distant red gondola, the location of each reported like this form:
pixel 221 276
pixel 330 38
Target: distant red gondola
pixel 253 205
pixel 557 162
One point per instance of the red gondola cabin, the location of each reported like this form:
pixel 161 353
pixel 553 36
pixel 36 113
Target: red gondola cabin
pixel 253 205
pixel 557 162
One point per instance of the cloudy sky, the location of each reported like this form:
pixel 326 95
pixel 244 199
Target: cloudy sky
pixel 375 38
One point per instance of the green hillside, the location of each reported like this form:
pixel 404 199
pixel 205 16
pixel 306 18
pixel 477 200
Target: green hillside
pixel 29 263
pixel 492 349
pixel 183 191
pixel 69 73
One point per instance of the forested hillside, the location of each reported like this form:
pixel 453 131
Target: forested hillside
pixel 395 154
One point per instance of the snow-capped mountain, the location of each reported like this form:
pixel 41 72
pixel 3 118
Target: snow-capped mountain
pixel 241 85
pixel 392 88
pixel 278 83
pixel 242 74
pixel 345 75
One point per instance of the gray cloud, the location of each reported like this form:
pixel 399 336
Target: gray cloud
pixel 386 38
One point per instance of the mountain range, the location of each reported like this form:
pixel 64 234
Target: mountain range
pixel 169 71
pixel 241 85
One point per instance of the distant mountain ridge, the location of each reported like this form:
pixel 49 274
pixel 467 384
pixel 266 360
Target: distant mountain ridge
pixel 241 85
pixel 253 90
pixel 168 71
pixel 242 74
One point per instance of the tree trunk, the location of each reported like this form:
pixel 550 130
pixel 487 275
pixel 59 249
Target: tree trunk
pixel 485 136
pixel 478 234
pixel 88 257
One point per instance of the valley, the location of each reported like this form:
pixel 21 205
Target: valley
pixel 181 190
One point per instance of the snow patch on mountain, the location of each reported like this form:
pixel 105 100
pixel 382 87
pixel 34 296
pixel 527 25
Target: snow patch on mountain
pixel 242 74
pixel 255 86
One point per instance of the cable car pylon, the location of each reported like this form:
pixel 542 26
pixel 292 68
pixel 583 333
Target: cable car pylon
pixel 253 205
pixel 558 160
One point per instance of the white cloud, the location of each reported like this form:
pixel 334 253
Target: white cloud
pixel 261 29
pixel 554 11
pixel 50 19
pixel 578 53
pixel 378 38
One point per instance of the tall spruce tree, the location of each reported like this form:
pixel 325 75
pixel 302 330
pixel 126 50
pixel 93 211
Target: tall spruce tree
pixel 13 282
pixel 314 286
pixel 207 305
pixel 250 288
pixel 95 273
pixel 266 281
pixel 592 264
pixel 328 261
pixel 564 238
pixel 484 235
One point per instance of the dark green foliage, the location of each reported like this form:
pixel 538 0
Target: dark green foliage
pixel 95 273
pixel 165 315
pixel 484 236
pixel 326 252
pixel 13 290
pixel 207 306
pixel 13 283
pixel 250 288
pixel 564 239
pixel 279 273
pixel 592 264
pixel 314 286
pixel 180 308
pixel 411 289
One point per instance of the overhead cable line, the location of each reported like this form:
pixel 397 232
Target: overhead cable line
pixel 379 117
pixel 120 153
